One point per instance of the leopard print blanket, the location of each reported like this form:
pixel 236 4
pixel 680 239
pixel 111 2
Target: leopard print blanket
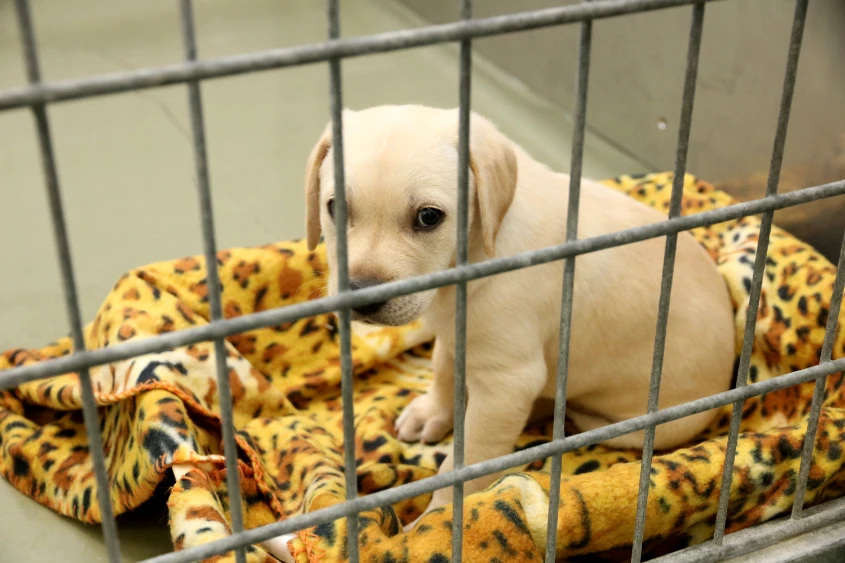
pixel 162 409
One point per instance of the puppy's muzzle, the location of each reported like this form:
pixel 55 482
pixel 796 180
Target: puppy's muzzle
pixel 363 283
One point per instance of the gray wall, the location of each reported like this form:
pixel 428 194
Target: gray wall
pixel 636 81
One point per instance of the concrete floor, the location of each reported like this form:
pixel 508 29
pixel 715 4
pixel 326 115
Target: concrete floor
pixel 126 169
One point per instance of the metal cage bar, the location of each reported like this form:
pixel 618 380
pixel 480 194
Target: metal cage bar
pixel 90 411
pixel 465 102
pixel 308 54
pixel 342 273
pixel 681 152
pixel 568 291
pixel 744 369
pixel 516 459
pixel 224 390
pixel 190 72
pixel 818 392
pixel 16 376
pixel 760 536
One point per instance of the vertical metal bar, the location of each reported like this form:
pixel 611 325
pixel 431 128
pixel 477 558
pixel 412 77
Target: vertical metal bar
pixel 818 392
pixel 57 215
pixel 760 262
pixel 464 103
pixel 224 391
pixel 576 161
pixel 684 128
pixel 336 107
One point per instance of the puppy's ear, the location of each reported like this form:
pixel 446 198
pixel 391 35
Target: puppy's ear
pixel 312 188
pixel 492 161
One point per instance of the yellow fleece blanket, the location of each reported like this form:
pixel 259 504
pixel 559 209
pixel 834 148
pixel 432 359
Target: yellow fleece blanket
pixel 162 409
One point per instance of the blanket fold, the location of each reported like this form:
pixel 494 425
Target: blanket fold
pixel 162 409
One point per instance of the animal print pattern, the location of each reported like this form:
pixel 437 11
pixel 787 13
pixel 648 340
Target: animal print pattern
pixel 162 409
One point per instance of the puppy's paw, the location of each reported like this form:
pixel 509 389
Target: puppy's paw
pixel 424 419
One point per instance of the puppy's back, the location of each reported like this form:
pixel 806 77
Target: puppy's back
pixel 616 297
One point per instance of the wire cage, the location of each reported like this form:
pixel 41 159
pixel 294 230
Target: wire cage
pixel 38 95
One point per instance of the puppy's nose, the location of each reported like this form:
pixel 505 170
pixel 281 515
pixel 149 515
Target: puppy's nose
pixel 363 283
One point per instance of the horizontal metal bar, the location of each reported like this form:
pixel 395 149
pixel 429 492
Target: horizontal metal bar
pixel 308 54
pixel 516 459
pixel 818 545
pixel 160 343
pixel 759 536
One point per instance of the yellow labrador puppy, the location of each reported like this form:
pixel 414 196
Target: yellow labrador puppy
pixel 401 187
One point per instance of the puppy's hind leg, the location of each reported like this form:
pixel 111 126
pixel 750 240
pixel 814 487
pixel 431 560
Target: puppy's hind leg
pixel 669 435
pixel 585 422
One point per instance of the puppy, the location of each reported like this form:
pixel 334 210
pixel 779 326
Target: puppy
pixel 401 167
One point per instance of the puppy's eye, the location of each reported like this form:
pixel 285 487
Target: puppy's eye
pixel 428 218
pixel 330 208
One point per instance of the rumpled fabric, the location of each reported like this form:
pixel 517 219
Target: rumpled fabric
pixel 162 409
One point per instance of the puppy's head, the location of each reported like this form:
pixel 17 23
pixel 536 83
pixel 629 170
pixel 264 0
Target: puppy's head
pixel 401 175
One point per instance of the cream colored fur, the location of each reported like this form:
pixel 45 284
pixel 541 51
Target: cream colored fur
pixel 401 158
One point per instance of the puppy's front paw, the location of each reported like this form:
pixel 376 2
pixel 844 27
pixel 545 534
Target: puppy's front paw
pixel 424 419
